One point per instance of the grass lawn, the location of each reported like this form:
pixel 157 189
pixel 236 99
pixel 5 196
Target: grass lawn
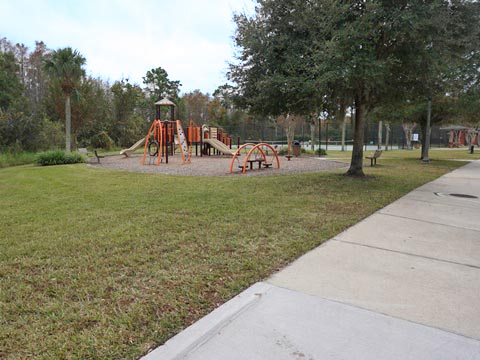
pixel 108 264
pixel 433 154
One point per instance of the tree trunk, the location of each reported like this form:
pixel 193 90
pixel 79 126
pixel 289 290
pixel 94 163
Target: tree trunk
pixel 344 130
pixel 356 164
pixel 387 135
pixel 380 130
pixel 312 132
pixel 408 131
pixel 426 139
pixel 341 117
pixel 290 132
pixel 68 122
pixel 423 131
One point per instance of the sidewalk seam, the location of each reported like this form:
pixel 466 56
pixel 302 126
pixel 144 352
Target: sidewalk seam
pixel 406 253
pixel 378 313
pixel 426 221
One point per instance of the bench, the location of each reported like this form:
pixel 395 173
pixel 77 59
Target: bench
pixel 259 161
pixel 98 156
pixel 251 162
pixel 373 158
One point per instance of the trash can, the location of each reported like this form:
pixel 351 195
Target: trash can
pixel 297 149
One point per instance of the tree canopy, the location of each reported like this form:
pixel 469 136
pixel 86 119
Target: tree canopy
pixel 33 103
pixel 297 57
pixel 160 85
pixel 66 65
pixel 10 85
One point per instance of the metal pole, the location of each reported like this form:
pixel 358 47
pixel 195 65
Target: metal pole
pixel 303 132
pixel 319 136
pixel 166 141
pixel 326 136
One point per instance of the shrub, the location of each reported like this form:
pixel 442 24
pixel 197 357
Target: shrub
pixel 102 140
pixel 59 157
pixel 284 151
pixel 321 152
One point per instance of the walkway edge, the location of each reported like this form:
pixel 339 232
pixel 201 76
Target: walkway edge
pixel 204 329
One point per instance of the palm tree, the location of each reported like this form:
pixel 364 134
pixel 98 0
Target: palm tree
pixel 66 65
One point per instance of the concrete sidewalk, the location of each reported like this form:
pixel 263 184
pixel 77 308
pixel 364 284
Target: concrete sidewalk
pixel 402 284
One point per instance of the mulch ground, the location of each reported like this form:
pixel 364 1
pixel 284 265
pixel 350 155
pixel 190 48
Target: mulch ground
pixel 216 165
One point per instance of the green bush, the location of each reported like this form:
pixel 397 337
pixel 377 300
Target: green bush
pixel 284 151
pixel 321 152
pixel 59 157
pixel 102 140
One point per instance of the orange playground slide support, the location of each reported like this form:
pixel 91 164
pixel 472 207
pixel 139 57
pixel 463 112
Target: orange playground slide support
pixel 154 136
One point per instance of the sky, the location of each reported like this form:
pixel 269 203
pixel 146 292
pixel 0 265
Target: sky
pixel 123 39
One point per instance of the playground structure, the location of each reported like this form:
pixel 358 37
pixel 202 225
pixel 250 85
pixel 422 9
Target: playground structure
pixel 206 139
pixel 216 138
pixel 131 149
pixel 161 141
pixel 165 136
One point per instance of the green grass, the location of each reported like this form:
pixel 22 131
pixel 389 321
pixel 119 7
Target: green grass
pixel 106 264
pixel 433 154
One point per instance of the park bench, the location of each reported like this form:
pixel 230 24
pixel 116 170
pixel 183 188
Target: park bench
pixel 98 156
pixel 252 161
pixel 373 158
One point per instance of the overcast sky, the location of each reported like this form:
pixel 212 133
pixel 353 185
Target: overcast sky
pixel 191 40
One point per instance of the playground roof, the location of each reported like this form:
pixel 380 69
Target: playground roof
pixel 164 102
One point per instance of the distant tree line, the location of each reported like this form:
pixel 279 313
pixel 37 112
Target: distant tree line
pixel 45 95
pixel 300 64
